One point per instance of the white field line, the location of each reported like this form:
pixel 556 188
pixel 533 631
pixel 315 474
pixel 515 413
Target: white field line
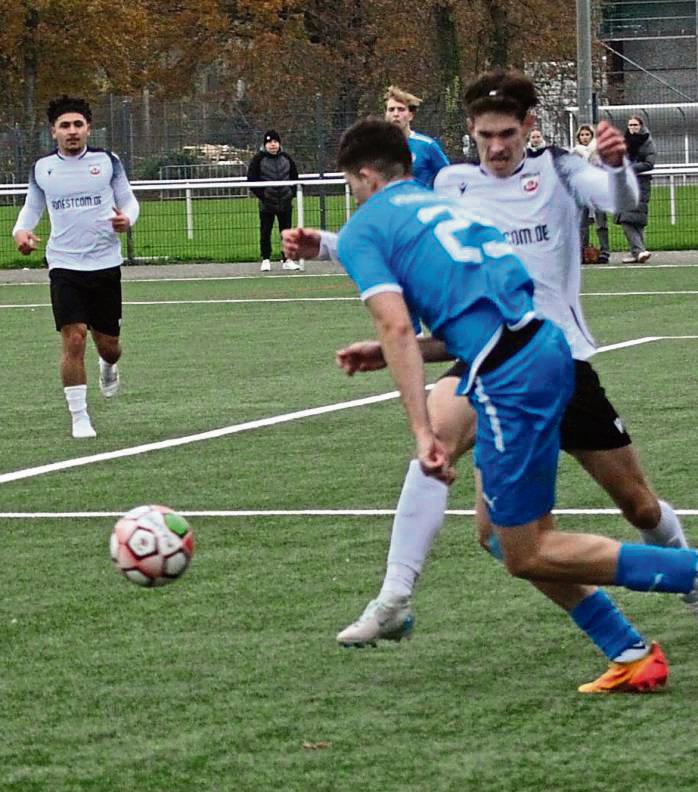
pixel 203 278
pixel 246 426
pixel 297 513
pixel 255 300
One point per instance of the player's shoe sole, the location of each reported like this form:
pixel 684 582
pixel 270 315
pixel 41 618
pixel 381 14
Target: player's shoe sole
pixel 640 676
pixel 379 622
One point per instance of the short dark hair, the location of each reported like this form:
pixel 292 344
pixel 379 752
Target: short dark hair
pixel 501 91
pixel 68 104
pixel 378 144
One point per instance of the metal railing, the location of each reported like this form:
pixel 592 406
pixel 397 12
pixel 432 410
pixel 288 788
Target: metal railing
pixel 201 224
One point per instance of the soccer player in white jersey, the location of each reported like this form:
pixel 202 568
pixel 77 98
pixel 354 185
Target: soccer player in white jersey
pixel 427 156
pixel 89 202
pixel 536 201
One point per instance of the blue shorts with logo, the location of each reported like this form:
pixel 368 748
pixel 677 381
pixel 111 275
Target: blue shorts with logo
pixel 519 407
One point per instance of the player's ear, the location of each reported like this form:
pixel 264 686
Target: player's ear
pixel 469 124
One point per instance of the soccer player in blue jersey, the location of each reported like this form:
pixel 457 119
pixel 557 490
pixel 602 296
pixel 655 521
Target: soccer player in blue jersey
pixel 89 202
pixel 407 248
pixel 427 156
pixel 536 199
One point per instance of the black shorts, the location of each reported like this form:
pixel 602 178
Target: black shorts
pixel 590 421
pixel 92 298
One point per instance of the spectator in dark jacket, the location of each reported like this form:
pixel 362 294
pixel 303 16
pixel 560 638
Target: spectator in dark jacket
pixel 642 154
pixel 273 164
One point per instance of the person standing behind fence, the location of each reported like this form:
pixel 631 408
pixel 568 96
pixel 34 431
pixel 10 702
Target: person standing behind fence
pixel 89 202
pixel 642 154
pixel 586 149
pixel 270 163
pixel 427 156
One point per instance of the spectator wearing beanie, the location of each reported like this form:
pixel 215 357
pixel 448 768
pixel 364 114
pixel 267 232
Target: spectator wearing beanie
pixel 272 164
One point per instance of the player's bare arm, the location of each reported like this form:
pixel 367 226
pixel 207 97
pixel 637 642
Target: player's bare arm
pixel 610 145
pixel 26 241
pixel 301 243
pixel 361 356
pixel 368 355
pixel 402 355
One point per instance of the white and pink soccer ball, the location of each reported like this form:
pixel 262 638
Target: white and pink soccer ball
pixel 152 545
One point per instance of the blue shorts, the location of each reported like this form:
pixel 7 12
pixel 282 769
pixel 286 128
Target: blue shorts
pixel 519 407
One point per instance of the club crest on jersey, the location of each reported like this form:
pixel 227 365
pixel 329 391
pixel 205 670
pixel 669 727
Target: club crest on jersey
pixel 95 170
pixel 530 182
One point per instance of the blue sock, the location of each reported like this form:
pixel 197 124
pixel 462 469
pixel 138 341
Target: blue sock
pixel 601 620
pixel 650 568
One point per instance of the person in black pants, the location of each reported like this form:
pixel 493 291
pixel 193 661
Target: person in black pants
pixel 270 163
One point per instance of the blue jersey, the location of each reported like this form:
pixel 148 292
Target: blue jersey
pixel 440 257
pixel 427 158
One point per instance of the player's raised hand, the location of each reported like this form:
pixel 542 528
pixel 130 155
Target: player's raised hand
pixel 360 356
pixel 120 221
pixel 300 243
pixel 610 144
pixel 26 242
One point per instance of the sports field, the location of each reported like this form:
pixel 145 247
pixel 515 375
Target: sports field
pixel 233 412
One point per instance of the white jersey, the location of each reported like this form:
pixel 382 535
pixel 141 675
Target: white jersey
pixel 539 209
pixel 80 193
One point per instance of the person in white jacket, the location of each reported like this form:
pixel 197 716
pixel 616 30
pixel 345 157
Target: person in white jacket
pixel 585 147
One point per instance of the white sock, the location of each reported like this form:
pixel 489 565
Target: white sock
pixel 76 396
pixel 668 531
pixel 418 519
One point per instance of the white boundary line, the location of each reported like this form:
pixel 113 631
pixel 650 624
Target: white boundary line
pixel 255 300
pixel 246 426
pixel 298 513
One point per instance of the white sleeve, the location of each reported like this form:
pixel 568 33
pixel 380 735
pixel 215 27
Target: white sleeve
pixel 30 214
pixel 448 182
pixel 328 247
pixel 123 195
pixel 605 188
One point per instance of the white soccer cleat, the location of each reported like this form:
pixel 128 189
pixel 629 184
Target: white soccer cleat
pixel 644 256
pixel 82 427
pixel 108 378
pixel 290 265
pixel 387 621
pixel 266 266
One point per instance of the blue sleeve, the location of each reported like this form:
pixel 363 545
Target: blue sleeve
pixel 363 255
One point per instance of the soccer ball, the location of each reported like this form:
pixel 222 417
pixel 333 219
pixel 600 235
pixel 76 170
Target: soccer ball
pixel 152 545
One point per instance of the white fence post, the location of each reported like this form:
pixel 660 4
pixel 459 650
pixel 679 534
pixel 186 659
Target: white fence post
pixel 190 213
pixel 300 211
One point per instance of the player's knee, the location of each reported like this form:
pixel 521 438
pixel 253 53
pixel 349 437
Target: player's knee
pixel 642 510
pixel 74 340
pixel 523 566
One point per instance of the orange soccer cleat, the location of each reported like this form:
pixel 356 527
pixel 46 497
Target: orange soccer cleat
pixel 640 676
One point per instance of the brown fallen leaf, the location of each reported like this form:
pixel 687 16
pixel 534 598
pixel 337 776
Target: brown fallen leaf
pixel 314 746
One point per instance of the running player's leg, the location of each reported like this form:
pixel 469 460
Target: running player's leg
pixel 418 520
pixel 594 434
pixel 68 301
pixel 105 323
pixel 634 663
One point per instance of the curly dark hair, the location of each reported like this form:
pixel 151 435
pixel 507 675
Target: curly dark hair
pixel 378 144
pixel 68 104
pixel 501 91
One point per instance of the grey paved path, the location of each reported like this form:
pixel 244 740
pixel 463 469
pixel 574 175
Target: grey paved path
pixel 208 270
